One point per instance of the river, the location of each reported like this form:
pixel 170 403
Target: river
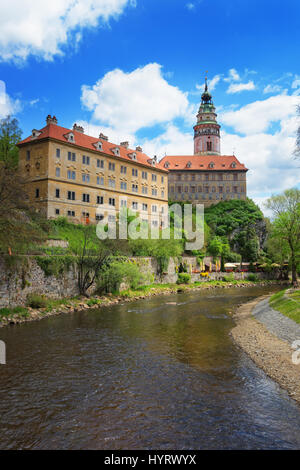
pixel 161 373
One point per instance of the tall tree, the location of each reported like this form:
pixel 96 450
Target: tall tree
pixel 286 225
pixel 10 135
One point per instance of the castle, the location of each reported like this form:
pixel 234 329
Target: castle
pixel 206 177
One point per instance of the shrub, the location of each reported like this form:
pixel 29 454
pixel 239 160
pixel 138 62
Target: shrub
pixel 183 278
pixel 252 277
pixel 229 278
pixel 36 301
pixel 111 279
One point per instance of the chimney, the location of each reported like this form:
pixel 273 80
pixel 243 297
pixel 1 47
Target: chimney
pixel 124 144
pixel 102 136
pixel 139 149
pixel 51 120
pixel 78 128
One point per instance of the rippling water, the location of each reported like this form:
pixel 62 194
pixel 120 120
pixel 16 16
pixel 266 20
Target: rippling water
pixel 154 374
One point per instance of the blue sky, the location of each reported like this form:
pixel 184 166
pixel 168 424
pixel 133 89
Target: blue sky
pixel 134 69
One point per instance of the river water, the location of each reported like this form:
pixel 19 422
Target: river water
pixel 161 373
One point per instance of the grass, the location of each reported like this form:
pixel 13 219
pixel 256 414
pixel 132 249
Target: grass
pixel 22 312
pixel 288 305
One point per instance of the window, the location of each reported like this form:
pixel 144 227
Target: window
pixel 154 192
pixel 235 177
pixel 100 180
pixel 111 166
pixel 57 153
pixel 100 163
pixel 86 215
pixel 206 176
pixel 178 177
pixel 71 175
pixel 123 169
pixel 111 218
pixel 134 172
pixel 162 193
pixel 85 197
pixel 145 207
pixel 37 192
pixel 134 205
pixel 220 177
pixel 179 189
pixel 28 155
pixel 154 177
pixel 172 189
pixel 72 157
pixel 57 193
pixel 123 203
pixel 99 199
pixel 99 216
pixel 144 175
pixel 193 178
pixel 209 145
pixel 71 195
pixel 162 179
pixel 111 183
pixel 112 201
pixel 135 188
pixel 199 189
pixel 71 213
pixel 57 172
pixel 220 189
pixel 123 185
pixel 144 190
pixel 154 208
pixel 85 178
pixel 207 189
pixel 235 189
pixel 186 189
pixel 85 160
pixel 56 211
pixel 154 223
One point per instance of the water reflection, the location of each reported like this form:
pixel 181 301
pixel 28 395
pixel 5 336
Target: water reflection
pixel 161 373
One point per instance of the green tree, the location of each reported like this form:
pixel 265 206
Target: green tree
pixel 286 225
pixel 10 135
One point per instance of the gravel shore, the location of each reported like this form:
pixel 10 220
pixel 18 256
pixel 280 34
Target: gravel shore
pixel 268 342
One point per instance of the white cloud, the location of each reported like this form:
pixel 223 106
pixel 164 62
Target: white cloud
pixel 7 104
pixel 238 87
pixel 172 142
pixel 233 76
pixel 114 135
pixel 272 89
pixel 42 28
pixel 296 82
pixel 190 6
pixel 130 101
pixel 258 116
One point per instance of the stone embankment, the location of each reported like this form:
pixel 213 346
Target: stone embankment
pixel 266 336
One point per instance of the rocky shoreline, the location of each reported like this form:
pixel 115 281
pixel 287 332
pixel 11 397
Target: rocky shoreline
pixel 270 353
pixel 82 304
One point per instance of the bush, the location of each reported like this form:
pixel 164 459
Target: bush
pixel 252 277
pixel 111 279
pixel 183 278
pixel 36 301
pixel 229 278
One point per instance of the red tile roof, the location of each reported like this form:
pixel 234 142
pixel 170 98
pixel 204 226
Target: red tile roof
pixel 53 131
pixel 202 162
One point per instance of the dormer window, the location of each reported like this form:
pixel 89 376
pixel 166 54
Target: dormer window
pixel 132 155
pixel 35 133
pixel 189 164
pixel 233 165
pixel 166 165
pixel 211 165
pixel 98 145
pixel 70 137
pixel 116 151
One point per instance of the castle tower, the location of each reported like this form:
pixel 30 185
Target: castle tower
pixel 207 130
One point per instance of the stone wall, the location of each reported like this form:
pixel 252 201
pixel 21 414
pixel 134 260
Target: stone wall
pixel 26 277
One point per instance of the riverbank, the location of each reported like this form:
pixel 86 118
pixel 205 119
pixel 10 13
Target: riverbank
pixel 266 336
pixel 18 315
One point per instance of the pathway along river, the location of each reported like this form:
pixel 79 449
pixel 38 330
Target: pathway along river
pixel 161 373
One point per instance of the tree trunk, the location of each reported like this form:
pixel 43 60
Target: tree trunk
pixel 294 269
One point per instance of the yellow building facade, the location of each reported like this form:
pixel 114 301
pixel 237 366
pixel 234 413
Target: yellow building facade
pixel 84 178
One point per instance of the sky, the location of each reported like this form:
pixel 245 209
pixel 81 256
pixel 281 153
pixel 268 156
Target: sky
pixel 135 69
